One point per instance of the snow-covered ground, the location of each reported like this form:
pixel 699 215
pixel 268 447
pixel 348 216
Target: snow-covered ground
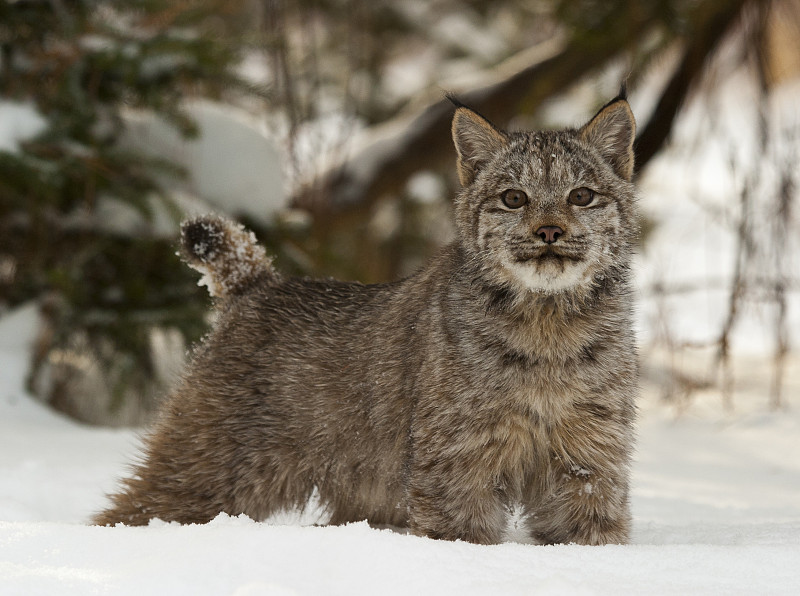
pixel 716 502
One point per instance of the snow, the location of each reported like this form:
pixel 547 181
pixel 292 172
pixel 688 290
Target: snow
pixel 716 504
pixel 19 122
pixel 237 556
pixel 234 163
pixel 426 188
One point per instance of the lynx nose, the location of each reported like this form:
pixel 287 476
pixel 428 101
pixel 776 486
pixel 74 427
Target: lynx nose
pixel 549 233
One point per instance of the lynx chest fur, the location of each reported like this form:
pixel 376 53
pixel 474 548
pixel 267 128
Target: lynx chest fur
pixel 502 374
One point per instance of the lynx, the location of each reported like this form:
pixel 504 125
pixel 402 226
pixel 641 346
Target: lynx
pixel 503 374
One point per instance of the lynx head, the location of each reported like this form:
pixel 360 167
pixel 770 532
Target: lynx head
pixel 547 211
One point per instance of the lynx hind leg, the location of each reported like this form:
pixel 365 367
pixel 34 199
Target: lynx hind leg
pixel 189 492
pixel 201 461
pixel 147 495
pixel 139 502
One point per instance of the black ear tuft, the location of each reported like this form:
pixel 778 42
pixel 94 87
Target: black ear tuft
pixel 453 99
pixel 622 95
pixel 623 91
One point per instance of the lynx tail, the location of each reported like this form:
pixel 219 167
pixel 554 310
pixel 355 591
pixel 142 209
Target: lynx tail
pixel 226 253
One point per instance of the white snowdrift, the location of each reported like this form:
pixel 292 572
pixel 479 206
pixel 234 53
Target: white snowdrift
pixel 716 505
pixel 238 556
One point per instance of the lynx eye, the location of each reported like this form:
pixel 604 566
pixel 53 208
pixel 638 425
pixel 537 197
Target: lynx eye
pixel 514 199
pixel 581 196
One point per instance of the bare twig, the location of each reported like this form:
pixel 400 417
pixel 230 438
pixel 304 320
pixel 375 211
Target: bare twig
pixel 716 20
pixel 780 234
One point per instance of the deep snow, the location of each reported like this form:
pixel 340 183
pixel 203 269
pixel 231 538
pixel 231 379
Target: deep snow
pixel 716 503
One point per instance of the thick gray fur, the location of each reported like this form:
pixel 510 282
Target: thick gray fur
pixel 503 373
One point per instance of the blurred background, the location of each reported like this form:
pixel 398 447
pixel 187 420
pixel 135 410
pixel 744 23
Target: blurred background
pixel 322 125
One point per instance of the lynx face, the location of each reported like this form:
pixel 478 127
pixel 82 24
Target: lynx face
pixel 547 211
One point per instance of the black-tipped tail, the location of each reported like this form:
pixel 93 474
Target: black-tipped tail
pixel 202 238
pixel 226 253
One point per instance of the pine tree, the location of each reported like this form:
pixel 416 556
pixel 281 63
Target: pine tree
pixel 81 63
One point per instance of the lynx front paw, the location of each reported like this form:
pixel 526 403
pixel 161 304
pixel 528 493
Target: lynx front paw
pixel 583 509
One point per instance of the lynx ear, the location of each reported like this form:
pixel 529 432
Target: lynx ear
pixel 476 140
pixel 612 131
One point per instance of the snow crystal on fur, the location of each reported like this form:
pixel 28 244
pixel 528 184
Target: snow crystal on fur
pixel 227 254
